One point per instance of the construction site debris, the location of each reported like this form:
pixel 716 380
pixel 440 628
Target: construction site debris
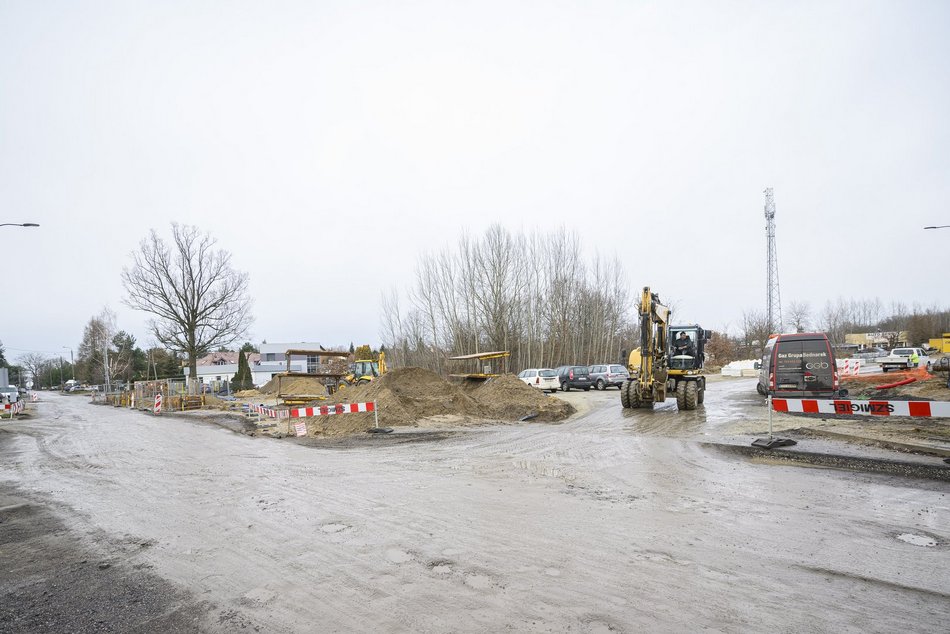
pixel 925 387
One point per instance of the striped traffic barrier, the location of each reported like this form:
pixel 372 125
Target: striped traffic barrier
pixel 329 410
pixel 849 366
pixel 928 409
pixel 13 408
pixel 320 410
pixel 157 408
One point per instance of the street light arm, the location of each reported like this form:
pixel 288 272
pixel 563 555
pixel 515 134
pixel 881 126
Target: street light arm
pixel 939 227
pixel 19 224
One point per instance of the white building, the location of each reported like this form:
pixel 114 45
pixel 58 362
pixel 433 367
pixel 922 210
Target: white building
pixel 272 359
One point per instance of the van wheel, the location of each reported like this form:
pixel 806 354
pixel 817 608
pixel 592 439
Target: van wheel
pixel 692 394
pixel 600 385
pixel 760 389
pixel 883 368
pixel 565 387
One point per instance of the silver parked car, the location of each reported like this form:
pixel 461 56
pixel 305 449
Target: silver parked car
pixel 608 374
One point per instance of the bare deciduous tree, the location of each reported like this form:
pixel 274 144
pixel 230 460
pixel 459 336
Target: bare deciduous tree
pixel 532 295
pixel 198 300
pixel 34 363
pixel 799 314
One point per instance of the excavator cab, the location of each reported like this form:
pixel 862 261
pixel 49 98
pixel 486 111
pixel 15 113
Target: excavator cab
pixel 686 347
pixel 364 369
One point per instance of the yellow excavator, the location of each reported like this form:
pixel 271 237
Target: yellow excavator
pixel 362 371
pixel 663 365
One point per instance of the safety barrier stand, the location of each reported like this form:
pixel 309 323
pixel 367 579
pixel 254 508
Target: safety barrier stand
pixel 771 442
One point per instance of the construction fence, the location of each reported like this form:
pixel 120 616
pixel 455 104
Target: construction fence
pixel 177 395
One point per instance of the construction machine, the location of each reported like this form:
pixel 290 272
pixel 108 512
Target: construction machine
pixel 363 371
pixel 662 367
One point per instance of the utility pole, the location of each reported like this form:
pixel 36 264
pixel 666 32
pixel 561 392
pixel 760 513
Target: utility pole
pixel 774 303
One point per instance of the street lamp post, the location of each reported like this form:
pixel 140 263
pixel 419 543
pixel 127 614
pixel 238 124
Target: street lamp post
pixel 942 227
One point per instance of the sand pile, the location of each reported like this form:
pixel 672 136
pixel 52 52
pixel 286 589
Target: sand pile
pixel 248 394
pixel 406 395
pixel 295 385
pixel 508 397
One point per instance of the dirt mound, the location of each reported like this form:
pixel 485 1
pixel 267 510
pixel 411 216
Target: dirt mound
pixel 295 385
pixel 509 397
pixel 247 394
pixel 407 395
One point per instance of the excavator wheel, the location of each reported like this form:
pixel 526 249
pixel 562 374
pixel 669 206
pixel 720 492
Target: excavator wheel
pixel 624 397
pixel 681 395
pixel 362 382
pixel 702 395
pixel 632 391
pixel 692 394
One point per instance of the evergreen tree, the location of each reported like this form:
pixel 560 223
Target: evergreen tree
pixel 242 380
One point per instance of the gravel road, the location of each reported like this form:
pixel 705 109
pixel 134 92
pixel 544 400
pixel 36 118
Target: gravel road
pixel 615 521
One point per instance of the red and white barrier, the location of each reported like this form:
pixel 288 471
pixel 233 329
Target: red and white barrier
pixel 157 408
pixel 329 410
pixel 270 412
pixel 13 408
pixel 849 366
pixel 932 409
pixel 34 397
pixel 320 410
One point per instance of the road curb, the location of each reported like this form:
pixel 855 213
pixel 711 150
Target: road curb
pixel 883 444
pixel 937 471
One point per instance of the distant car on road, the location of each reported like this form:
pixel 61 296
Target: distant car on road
pixel 869 354
pixel 608 375
pixel 541 378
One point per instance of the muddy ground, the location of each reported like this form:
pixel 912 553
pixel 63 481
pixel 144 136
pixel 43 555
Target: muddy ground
pixel 612 520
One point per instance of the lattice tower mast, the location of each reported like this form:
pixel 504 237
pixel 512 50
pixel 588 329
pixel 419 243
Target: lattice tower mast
pixel 774 305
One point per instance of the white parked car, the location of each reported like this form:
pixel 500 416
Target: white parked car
pixel 9 394
pixel 899 359
pixel 541 378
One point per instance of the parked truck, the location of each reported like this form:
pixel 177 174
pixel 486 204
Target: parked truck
pixel 902 359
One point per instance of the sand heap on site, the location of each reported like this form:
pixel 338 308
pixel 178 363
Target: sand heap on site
pixel 509 398
pixel 296 385
pixel 407 395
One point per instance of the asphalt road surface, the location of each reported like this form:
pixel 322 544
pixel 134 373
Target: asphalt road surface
pixel 616 521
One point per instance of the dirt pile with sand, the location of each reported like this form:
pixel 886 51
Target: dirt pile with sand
pixel 295 385
pixel 509 398
pixel 409 396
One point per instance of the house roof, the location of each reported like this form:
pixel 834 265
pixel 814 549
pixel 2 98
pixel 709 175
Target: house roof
pixel 225 358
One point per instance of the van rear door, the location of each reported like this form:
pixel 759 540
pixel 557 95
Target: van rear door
pixel 804 365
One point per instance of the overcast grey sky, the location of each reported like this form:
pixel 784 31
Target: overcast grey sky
pixel 328 144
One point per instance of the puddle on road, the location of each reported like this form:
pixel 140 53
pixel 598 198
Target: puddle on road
pixel 917 540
